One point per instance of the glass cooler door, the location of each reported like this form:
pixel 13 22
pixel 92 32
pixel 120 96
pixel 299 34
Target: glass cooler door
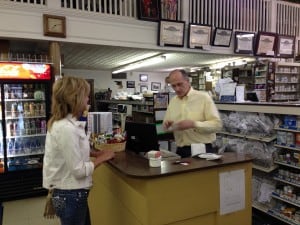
pixel 1 140
pixel 25 124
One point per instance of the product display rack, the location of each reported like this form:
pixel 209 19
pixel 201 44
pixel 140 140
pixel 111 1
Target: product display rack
pixel 266 139
pixel 286 81
pixel 288 183
pixel 261 71
pixel 142 111
pixel 285 172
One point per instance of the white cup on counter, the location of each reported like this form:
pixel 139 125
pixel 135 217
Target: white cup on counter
pixel 155 162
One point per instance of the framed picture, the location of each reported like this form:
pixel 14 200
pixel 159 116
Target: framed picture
pixel 265 44
pixel 143 88
pixel 130 84
pixel 244 42
pixel 144 77
pixel 222 37
pixel 155 86
pixel 169 9
pixel 198 35
pixel 161 100
pixel 148 10
pixel 171 33
pixel 285 46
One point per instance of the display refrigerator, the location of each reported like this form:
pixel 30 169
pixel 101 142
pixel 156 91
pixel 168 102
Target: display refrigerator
pixel 25 107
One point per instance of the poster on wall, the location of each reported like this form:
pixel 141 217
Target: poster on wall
pixel 148 10
pixel 169 10
pixel 130 84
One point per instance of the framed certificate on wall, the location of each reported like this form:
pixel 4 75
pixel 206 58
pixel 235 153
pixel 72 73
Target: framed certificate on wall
pixel 244 42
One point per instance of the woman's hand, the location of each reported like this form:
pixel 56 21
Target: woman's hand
pixel 103 156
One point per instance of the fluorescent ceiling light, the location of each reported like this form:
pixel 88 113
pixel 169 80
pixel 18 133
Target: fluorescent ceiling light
pixel 142 63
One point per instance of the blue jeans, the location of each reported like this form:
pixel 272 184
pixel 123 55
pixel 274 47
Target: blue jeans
pixel 71 206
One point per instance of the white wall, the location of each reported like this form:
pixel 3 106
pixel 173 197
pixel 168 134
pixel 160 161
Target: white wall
pixel 103 79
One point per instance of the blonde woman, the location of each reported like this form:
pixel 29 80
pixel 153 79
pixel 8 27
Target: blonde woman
pixel 67 166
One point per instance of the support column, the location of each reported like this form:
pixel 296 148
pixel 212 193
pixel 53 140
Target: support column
pixel 4 50
pixel 55 57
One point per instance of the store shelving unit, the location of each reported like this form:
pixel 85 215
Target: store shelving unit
pixel 261 71
pixel 266 139
pixel 287 81
pixel 142 111
pixel 286 170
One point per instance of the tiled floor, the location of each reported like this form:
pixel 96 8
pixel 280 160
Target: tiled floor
pixel 26 212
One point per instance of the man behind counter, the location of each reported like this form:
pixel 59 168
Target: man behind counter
pixel 191 115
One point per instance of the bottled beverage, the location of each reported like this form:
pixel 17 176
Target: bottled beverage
pixel 1 148
pixel 38 125
pixel 10 146
pixel 9 128
pixel 43 126
pixel 20 108
pixel 38 145
pixel 1 131
pixel 25 91
pixel 17 146
pixel 21 130
pixel 26 109
pixel 27 145
pixel 15 128
pixel 42 109
pixel 32 127
pixel 19 92
pixel 27 127
pixel 12 94
pixel 14 110
pixel 31 109
pixel 32 146
pixel 30 91
pixel 6 91
pixel 22 146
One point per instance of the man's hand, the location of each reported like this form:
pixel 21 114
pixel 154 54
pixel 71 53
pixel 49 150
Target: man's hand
pixel 184 124
pixel 167 124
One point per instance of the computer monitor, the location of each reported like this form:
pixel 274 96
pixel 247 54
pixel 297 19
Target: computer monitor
pixel 141 137
pixel 252 96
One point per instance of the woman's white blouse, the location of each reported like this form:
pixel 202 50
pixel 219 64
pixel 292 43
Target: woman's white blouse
pixel 67 163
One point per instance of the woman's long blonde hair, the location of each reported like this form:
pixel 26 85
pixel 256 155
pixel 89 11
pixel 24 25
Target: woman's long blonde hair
pixel 68 96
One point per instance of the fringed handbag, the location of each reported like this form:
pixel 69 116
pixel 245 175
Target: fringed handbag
pixel 49 212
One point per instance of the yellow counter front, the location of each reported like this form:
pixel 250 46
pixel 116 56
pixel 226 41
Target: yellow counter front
pixel 127 191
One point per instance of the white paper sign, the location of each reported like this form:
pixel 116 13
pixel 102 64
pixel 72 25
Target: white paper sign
pixel 197 148
pixel 232 191
pixel 227 89
pixel 240 93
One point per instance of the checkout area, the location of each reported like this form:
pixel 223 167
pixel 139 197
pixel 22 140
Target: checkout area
pixel 186 191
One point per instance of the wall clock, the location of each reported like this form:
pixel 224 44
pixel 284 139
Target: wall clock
pixel 54 26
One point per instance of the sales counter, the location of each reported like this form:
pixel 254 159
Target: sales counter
pixel 127 191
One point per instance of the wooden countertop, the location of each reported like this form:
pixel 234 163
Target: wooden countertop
pixel 131 164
